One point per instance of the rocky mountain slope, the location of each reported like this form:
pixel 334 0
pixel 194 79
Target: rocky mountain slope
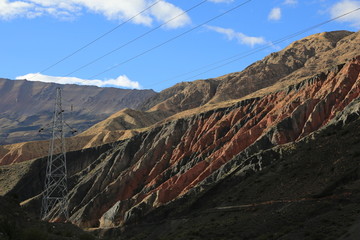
pixel 27 106
pixel 165 163
pixel 280 163
pixel 301 59
pixel 128 181
pixel 303 190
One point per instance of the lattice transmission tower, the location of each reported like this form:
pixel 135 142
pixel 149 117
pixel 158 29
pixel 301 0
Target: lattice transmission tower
pixel 54 202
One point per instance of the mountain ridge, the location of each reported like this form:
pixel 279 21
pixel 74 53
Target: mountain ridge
pixel 165 163
pixel 299 55
pixel 318 51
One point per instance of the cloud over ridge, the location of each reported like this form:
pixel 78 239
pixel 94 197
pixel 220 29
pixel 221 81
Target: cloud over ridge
pixel 122 81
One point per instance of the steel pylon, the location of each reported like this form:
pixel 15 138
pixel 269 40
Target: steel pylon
pixel 54 202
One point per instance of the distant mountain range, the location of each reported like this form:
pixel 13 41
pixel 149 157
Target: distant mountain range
pixel 27 106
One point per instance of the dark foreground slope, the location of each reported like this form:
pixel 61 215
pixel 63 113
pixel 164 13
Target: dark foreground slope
pixel 16 224
pixel 304 190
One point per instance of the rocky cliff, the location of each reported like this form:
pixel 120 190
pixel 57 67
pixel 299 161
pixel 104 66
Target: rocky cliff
pixel 123 182
pixel 27 106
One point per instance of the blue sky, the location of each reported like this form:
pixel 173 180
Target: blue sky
pixel 153 52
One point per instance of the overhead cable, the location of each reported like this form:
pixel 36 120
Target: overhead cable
pixel 97 39
pixel 172 39
pixel 240 56
pixel 135 39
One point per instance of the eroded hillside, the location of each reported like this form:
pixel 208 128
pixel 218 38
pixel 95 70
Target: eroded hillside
pixel 122 182
pixel 303 190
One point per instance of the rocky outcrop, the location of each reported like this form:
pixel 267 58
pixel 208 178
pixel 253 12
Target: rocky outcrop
pixel 169 161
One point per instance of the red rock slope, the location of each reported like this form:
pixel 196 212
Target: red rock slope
pixel 162 164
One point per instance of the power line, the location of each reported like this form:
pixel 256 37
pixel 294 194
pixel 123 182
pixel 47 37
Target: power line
pixel 240 56
pixel 97 39
pixel 135 39
pixel 172 39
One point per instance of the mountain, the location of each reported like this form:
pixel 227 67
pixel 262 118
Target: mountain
pixel 296 62
pixel 279 163
pixel 301 59
pixel 27 106
pixel 300 190
pixel 175 164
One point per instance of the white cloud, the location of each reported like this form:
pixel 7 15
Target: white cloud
pixel 275 14
pixel 290 2
pixel 221 1
pixel 121 81
pixel 345 6
pixel 164 12
pixel 111 9
pixel 9 10
pixel 118 10
pixel 240 37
